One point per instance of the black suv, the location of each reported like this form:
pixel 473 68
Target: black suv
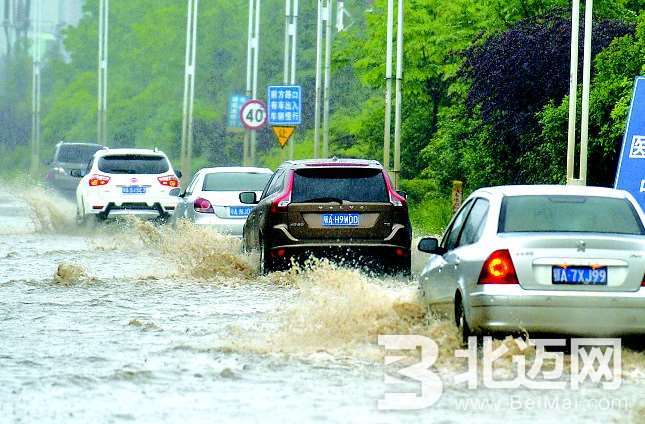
pixel 341 209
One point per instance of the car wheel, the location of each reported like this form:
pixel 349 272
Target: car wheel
pixel 461 322
pixel 266 264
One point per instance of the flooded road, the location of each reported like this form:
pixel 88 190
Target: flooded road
pixel 129 322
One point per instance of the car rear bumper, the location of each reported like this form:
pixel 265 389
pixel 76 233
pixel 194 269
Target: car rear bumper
pixel 232 226
pixel 511 308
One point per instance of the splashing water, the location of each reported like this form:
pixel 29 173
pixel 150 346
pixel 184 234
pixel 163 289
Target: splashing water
pixel 50 212
pixel 67 273
pixel 198 251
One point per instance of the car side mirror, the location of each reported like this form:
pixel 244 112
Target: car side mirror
pixel 248 198
pixel 175 192
pixel 76 173
pixel 431 245
pixel 179 174
pixel 403 194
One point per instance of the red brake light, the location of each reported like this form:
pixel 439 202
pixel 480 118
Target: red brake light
pixel 169 181
pixel 499 269
pixel 643 282
pixel 284 199
pixel 395 198
pixel 203 206
pixel 98 180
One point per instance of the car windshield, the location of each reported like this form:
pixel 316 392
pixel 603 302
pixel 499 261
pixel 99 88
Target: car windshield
pixel 567 214
pixel 236 181
pixel 336 184
pixel 133 164
pixel 76 153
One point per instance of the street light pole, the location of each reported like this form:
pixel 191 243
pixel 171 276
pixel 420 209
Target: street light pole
pixel 104 6
pixel 293 31
pixel 252 56
pixel 319 29
pixel 36 58
pixel 573 93
pixel 327 80
pixel 573 90
pixel 586 89
pixel 397 111
pixel 189 90
pixel 388 85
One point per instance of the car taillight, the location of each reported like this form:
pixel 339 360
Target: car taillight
pixel 169 181
pixel 395 198
pixel 203 206
pixel 643 282
pixel 98 180
pixel 284 199
pixel 498 269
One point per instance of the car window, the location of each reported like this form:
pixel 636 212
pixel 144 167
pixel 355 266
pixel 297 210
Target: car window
pixel 452 236
pixel 566 214
pixel 235 181
pixel 193 183
pixel 90 164
pixel 351 184
pixel 474 225
pixel 134 164
pixel 275 184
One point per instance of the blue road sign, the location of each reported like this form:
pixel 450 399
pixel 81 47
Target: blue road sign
pixel 631 169
pixel 285 105
pixel 235 103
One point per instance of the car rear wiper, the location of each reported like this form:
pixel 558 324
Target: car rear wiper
pixel 324 200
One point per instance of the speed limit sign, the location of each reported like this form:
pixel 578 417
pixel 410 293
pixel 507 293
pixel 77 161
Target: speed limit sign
pixel 254 114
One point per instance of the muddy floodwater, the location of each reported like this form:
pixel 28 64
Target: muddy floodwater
pixel 129 322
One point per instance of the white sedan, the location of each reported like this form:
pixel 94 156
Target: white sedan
pixel 212 197
pixel 542 259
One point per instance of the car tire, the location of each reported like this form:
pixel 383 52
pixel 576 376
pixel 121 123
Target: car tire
pixel 401 267
pixel 461 322
pixel 266 263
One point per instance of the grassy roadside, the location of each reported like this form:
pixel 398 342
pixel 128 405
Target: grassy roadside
pixel 430 216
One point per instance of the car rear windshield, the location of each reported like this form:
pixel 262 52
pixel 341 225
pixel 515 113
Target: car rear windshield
pixel 567 214
pixel 76 153
pixel 351 184
pixel 133 164
pixel 236 181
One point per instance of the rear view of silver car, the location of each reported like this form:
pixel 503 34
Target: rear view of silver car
pixel 212 197
pixel 69 156
pixel 541 259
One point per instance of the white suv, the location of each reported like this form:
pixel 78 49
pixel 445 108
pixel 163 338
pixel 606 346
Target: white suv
pixel 126 182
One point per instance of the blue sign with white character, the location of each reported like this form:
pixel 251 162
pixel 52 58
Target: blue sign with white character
pixel 285 105
pixel 631 169
pixel 235 103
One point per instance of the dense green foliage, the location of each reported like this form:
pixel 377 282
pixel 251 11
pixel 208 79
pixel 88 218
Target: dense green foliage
pixel 485 86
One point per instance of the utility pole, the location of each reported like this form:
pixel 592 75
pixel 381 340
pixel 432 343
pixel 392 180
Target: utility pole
pixel 321 14
pixel 388 85
pixel 189 90
pixel 573 93
pixel 104 6
pixel 327 80
pixel 290 49
pixel 252 55
pixel 397 111
pixel 36 58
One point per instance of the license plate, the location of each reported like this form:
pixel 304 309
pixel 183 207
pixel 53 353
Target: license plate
pixel 581 275
pixel 341 220
pixel 241 211
pixel 133 190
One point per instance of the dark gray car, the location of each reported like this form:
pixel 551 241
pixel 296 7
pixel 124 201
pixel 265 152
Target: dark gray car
pixel 69 156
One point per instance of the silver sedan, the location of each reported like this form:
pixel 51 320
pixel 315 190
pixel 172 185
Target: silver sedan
pixel 541 259
pixel 212 197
